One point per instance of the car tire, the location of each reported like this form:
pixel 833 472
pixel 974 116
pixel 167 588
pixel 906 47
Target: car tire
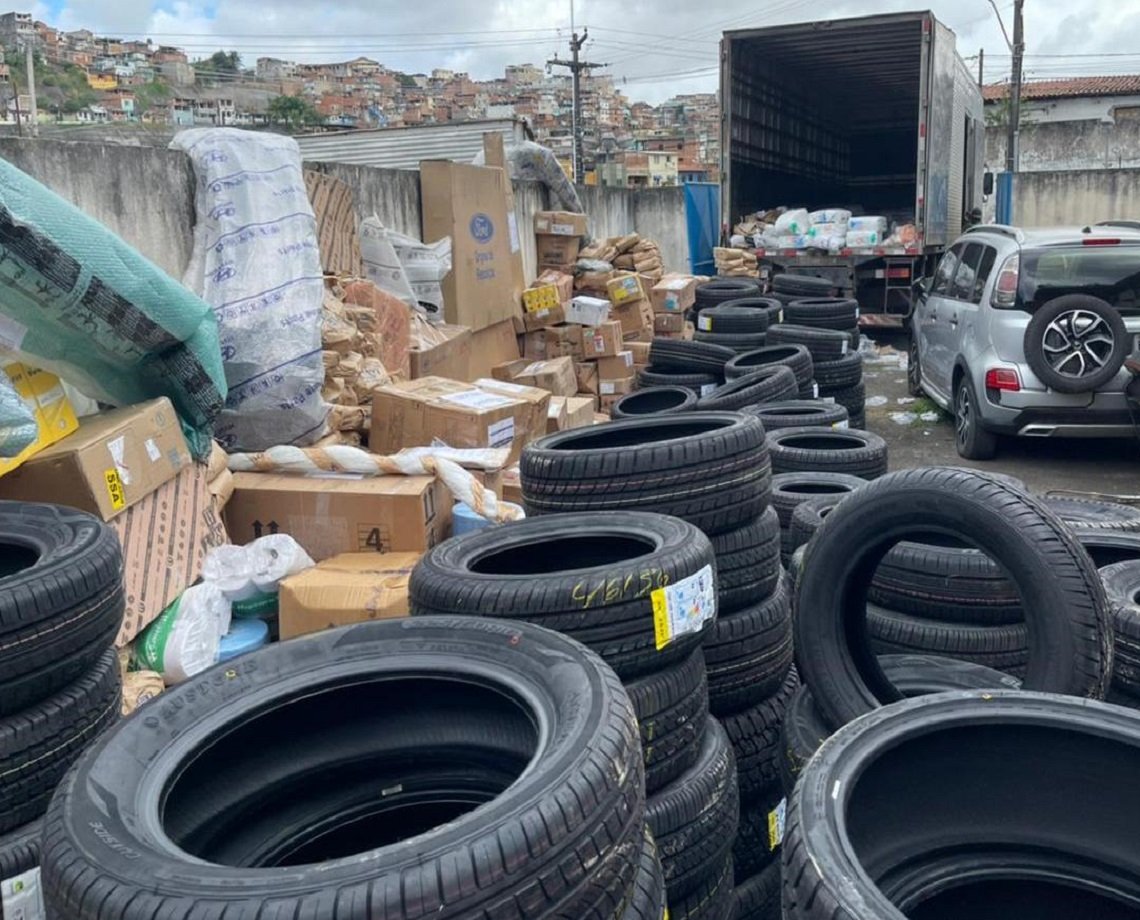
pixel 1095 515
pixel 19 851
pixel 710 468
pixel 1107 547
pixel 205 764
pixel 828 312
pixel 648 899
pixel 747 563
pixel 697 384
pixel 913 368
pixel 767 384
pixel 795 357
pixel 853 399
pixel 735 318
pixel 672 707
pixel 840 374
pixel 758 896
pixel 737 342
pixel 1003 648
pixel 757 843
pixel 61 598
pixel 1069 333
pixel 654 401
pixel 721 290
pixel 1066 610
pixel 689 357
pixel 694 818
pixel 1122 584
pixel 803 285
pixel 712 899
pixel 593 577
pixel 789 490
pixel 971 439
pixel 819 450
pixel 755 737
pixel 800 413
pixel 807 518
pixel 823 344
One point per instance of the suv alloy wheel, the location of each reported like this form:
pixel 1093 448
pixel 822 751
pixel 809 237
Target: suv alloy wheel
pixel 973 442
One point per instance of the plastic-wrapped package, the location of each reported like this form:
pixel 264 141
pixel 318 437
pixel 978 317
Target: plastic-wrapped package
pixel 242 572
pixel 861 239
pixel 877 225
pixel 792 223
pixel 827 230
pixel 18 426
pixel 775 240
pixel 77 301
pixel 831 216
pixel 256 261
pixel 406 268
pixel 184 640
pixel 528 160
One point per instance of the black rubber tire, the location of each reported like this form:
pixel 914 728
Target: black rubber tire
pixel 809 390
pixel 1122 585
pixel 747 563
pixel 738 343
pixel 672 707
pixel 950 584
pixel 1067 612
pixel 590 576
pixel 697 384
pixel 807 518
pixel 971 439
pixel 757 843
pixel 853 399
pixel 820 450
pixel 790 490
pixel 19 850
pixel 471 694
pixel 690 357
pixel 721 290
pixel 805 285
pixel 654 401
pixel 800 413
pixel 733 317
pixel 1095 515
pixel 710 468
pixel 647 901
pixel 713 899
pixel 1041 326
pixel 869 823
pixel 828 312
pixel 767 384
pixel 61 598
pixel 1003 648
pixel 758 896
pixel 748 654
pixel 1107 546
pixel 755 737
pixel 823 344
pixel 694 819
pixel 40 743
pixel 795 357
pixel 842 373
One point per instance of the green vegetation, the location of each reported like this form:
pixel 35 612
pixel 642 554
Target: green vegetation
pixel 151 95
pixel 292 112
pixel 406 80
pixel 218 67
pixel 59 87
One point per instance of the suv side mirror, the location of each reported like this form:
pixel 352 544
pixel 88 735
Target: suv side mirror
pixel 988 184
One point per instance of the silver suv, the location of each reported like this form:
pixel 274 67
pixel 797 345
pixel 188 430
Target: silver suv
pixel 1025 332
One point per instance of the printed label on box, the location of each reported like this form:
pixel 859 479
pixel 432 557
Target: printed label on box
pixel 477 399
pixel 21 897
pixel 672 301
pixel 562 229
pixel 606 388
pixel 777 819
pixel 684 607
pixel 152 450
pixel 704 322
pixel 501 434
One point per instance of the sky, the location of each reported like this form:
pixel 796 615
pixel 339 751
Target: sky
pixel 655 48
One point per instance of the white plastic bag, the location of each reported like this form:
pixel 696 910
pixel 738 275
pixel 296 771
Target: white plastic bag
pixel 184 640
pixel 877 225
pixel 243 572
pixel 831 216
pixel 404 267
pixel 861 239
pixel 792 223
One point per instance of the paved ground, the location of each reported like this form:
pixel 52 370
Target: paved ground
pixel 919 434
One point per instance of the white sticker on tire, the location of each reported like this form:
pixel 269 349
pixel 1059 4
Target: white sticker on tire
pixel 21 897
pixel 830 400
pixel 843 347
pixel 707 388
pixel 842 424
pixel 780 315
pixel 704 323
pixel 683 607
pixel 814 390
pixel 777 818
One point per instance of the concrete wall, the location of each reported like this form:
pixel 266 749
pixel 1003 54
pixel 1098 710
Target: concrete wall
pixel 1069 145
pixel 1075 197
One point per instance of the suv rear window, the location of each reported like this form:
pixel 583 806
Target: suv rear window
pixel 1111 273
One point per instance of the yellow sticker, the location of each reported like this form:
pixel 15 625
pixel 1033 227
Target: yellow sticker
pixel 661 632
pixel 665 916
pixel 115 489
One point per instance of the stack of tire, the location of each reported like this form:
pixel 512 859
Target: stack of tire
pixel 739 324
pixel 696 366
pixel 720 290
pixel 61 604
pixel 790 490
pixel 838 368
pixel 711 469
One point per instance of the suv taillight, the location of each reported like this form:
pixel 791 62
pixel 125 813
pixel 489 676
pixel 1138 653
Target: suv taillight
pixel 1005 288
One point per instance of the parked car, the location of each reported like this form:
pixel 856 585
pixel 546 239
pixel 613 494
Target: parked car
pixel 1025 332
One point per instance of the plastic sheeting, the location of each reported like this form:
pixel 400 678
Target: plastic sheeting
pixel 531 161
pixel 256 261
pixel 79 302
pixel 18 426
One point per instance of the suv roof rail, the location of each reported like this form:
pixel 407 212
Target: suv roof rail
pixel 1004 229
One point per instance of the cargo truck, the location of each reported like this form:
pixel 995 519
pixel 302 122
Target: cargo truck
pixel 878 115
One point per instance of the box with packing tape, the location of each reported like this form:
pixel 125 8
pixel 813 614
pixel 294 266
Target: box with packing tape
pixel 602 340
pixel 562 281
pixel 537 320
pixel 587 373
pixel 554 374
pixel 570 412
pixel 560 223
pixel 616 387
pixel 625 288
pixel 674 294
pixel 562 340
pixel 588 311
pixel 669 323
pixel 615 367
pixel 634 316
pixel 538 401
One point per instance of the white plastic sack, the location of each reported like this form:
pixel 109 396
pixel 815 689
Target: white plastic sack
pixel 869 224
pixel 831 216
pixel 862 239
pixel 184 640
pixel 406 268
pixel 828 230
pixel 381 264
pixel 256 261
pixel 781 241
pixel 243 572
pixel 792 223
pixel 18 427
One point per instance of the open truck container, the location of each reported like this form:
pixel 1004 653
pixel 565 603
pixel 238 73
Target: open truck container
pixel 877 114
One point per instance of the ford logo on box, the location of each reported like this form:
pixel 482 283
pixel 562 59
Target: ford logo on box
pixel 482 228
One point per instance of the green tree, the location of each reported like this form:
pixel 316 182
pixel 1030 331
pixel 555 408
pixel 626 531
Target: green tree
pixel 292 112
pixel 218 66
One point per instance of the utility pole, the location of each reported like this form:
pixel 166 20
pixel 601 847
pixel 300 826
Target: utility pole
pixel 1013 141
pixel 981 68
pixel 576 66
pixel 33 115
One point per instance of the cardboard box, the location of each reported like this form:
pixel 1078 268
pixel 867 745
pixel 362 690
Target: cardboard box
pixel 644 336
pixel 512 485
pixel 587 377
pixel 588 311
pixel 563 340
pixel 560 223
pixel 468 204
pixel 165 538
pixel 673 294
pixel 625 288
pixel 416 413
pixel 533 345
pixel 554 374
pixel 329 515
pixel 556 251
pixel 639 350
pixel 618 387
pixel 490 346
pixel 540 319
pixel 669 322
pixel 537 399
pixel 509 370
pixel 495 155
pixel 616 366
pixel 601 341
pixel 580 411
pixel 349 588
pixel 634 316
pixel 43 394
pixel 561 280
pixel 556 414
pixel 450 357
pixel 540 297
pixel 607 403
pixel 115 460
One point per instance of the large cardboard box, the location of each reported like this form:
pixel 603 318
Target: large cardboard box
pixel 602 340
pixel 587 373
pixel 559 252
pixel 165 538
pixel 579 411
pixel 115 460
pixel 448 356
pixel 556 415
pixel 562 340
pixel 538 400
pixel 536 320
pixel 588 311
pixel 468 204
pixel 533 345
pixel 337 514
pixel 349 588
pixel 417 413
pixel 673 294
pixel 617 366
pixel 43 394
pixel 490 346
pixel 625 288
pixel 563 282
pixel 673 323
pixel 560 223
pixel 616 387
pixel 634 316
pixel 555 375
